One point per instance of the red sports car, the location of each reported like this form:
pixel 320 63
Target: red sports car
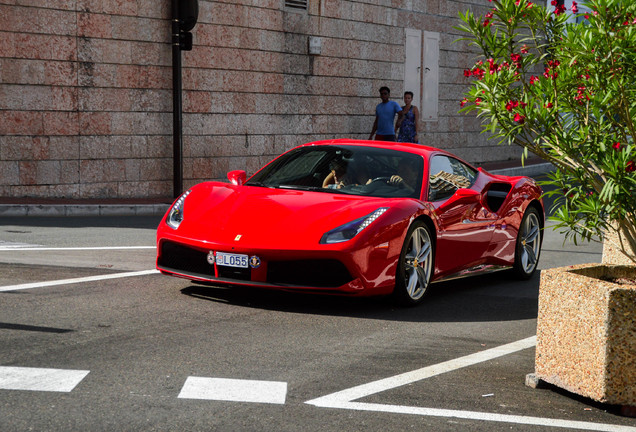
pixel 353 218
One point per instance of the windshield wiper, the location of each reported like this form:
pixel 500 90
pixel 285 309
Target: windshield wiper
pixel 257 183
pixel 300 187
pixel 313 189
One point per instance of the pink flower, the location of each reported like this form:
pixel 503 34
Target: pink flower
pixel 492 66
pixel 549 105
pixel 575 8
pixel 616 146
pixel 631 166
pixel 477 101
pixel 533 79
pixel 524 49
pixel 519 118
pixel 479 73
pixel 463 102
pixel 486 23
pixel 466 73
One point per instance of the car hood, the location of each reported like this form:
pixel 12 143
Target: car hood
pixel 259 217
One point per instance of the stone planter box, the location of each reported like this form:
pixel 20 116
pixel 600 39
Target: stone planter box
pixel 612 253
pixel 586 332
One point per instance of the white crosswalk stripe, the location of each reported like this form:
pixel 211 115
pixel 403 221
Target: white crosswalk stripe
pixel 234 390
pixel 40 379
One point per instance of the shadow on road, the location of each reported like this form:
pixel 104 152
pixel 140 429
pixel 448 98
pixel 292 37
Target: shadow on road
pixel 494 297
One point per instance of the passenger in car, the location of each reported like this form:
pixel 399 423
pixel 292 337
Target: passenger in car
pixel 353 174
pixel 335 179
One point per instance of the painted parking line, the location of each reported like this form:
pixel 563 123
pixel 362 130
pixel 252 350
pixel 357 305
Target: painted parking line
pixel 40 379
pixel 22 247
pixel 491 417
pixel 76 280
pixel 374 387
pixel 345 399
pixel 234 390
pixel 5 245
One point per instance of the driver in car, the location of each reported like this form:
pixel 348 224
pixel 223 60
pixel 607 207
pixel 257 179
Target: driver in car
pixel 407 177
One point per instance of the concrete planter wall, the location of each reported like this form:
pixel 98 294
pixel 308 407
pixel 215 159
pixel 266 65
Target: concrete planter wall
pixel 612 253
pixel 586 332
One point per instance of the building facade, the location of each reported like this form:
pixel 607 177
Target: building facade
pixel 86 87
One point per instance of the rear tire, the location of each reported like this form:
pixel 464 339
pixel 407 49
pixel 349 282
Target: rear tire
pixel 415 267
pixel 528 245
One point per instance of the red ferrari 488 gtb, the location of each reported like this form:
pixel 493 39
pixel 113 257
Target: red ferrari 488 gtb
pixel 353 218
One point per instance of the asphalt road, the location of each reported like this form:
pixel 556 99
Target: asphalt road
pixel 140 351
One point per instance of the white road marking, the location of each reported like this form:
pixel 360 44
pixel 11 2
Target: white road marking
pixel 426 372
pixel 5 245
pixel 40 379
pixel 234 390
pixel 18 247
pixel 484 416
pixel 76 280
pixel 344 399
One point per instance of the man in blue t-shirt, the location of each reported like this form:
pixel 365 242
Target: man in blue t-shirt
pixel 384 114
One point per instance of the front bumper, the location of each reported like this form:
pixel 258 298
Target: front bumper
pixel 190 261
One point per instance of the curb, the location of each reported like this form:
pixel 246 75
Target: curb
pixel 528 170
pixel 70 210
pixel 109 210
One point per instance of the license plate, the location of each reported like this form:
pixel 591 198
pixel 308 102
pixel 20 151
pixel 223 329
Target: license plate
pixel 232 260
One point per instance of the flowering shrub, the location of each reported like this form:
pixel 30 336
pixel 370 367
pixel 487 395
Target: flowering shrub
pixel 566 92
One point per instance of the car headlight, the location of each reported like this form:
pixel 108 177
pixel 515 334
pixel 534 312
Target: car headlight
pixel 175 215
pixel 351 229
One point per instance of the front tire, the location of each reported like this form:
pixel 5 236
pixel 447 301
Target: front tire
pixel 528 245
pixel 415 267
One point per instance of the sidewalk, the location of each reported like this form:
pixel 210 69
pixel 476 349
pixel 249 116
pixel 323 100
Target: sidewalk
pixel 43 207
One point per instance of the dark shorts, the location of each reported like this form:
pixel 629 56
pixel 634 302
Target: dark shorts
pixel 384 137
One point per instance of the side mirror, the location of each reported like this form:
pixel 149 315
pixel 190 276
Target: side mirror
pixel 463 193
pixel 461 196
pixel 237 177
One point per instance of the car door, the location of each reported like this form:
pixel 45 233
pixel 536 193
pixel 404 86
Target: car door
pixel 465 225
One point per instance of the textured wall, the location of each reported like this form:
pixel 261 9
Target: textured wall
pixel 86 88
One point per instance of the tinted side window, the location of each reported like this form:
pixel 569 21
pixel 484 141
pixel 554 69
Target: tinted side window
pixel 446 175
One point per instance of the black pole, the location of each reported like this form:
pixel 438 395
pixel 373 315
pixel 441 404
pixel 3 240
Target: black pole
pixel 177 138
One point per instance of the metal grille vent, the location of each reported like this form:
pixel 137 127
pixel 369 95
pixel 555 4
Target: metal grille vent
pixel 296 4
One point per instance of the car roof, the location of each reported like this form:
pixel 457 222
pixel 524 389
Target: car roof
pixel 399 146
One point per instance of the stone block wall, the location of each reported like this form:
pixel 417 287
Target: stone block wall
pixel 86 88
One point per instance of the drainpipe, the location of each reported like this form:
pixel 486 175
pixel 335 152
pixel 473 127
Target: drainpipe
pixel 177 137
pixel 184 17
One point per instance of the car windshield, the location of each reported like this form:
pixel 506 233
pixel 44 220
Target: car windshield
pixel 352 170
